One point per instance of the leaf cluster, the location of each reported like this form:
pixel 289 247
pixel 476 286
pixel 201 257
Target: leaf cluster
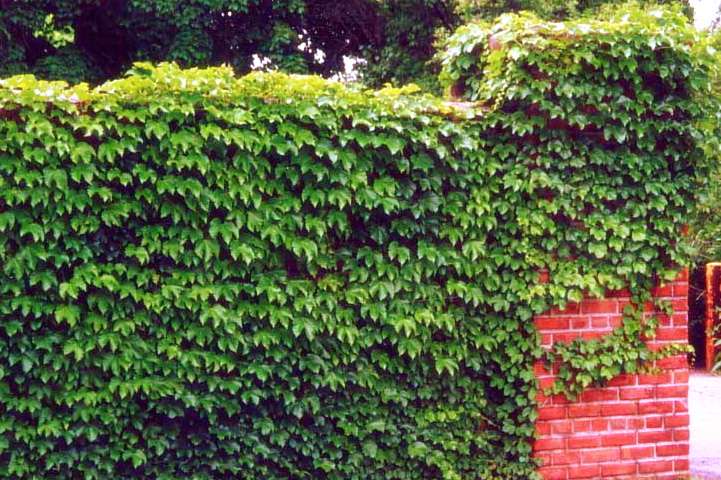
pixel 618 92
pixel 284 277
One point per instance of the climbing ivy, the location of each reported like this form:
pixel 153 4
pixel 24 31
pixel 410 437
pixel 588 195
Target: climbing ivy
pixel 627 95
pixel 284 277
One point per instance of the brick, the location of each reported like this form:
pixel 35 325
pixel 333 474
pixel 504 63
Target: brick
pixel 600 395
pixel 552 323
pixel 617 439
pixel 584 410
pixel 681 435
pixel 553 473
pixel 581 426
pixel 674 421
pixel 584 441
pixel 622 381
pixel 660 476
pixel 665 290
pixel 677 361
pixel 548 444
pixel 636 452
pixel 566 458
pixel 622 304
pixel 559 400
pixel 599 424
pixel 543 383
pixel 539 370
pixel 654 422
pixel 623 293
pixel 659 378
pixel 592 306
pixel 666 391
pixel 636 423
pixel 580 323
pixel 672 450
pixel 618 469
pixel 637 393
pixel 655 436
pixel 566 337
pixel 680 289
pixel 543 428
pixel 664 320
pixel 543 457
pixel 612 409
pixel 600 322
pixel 614 321
pixel 681 465
pixel 600 455
pixel 681 376
pixel 543 276
pixel 551 413
pixel 680 406
pixel 594 334
pixel 680 305
pixel 584 471
pixel 571 309
pixel 655 466
pixel 561 426
pixel 672 333
pixel 679 319
pixel 618 424
pixel 657 476
pixel 655 406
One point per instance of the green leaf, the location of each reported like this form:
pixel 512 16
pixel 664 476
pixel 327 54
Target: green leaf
pixel 69 314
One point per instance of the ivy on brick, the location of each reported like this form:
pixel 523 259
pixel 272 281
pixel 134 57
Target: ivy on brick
pixel 285 277
pixel 599 102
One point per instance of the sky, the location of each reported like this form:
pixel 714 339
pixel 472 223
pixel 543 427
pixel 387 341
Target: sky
pixel 704 12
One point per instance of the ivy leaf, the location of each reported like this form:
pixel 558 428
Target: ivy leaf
pixel 67 313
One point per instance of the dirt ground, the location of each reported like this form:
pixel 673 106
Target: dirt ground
pixel 705 407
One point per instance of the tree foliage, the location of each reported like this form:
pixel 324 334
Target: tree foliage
pixel 95 40
pixel 284 277
pixel 107 36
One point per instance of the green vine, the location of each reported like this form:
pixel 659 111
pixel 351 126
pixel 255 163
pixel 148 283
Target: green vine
pixel 585 363
pixel 478 63
pixel 284 277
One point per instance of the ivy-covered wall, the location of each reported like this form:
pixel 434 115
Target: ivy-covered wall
pixel 284 277
pixel 637 425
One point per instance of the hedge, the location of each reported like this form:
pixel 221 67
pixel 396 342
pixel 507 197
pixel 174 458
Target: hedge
pixel 285 277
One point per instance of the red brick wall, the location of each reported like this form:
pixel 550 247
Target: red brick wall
pixel 637 427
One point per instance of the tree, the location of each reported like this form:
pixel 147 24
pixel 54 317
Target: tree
pixel 103 37
pixel 394 40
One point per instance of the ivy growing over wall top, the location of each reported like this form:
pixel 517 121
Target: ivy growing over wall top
pixel 284 277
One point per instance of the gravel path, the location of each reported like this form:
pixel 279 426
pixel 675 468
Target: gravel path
pixel 705 407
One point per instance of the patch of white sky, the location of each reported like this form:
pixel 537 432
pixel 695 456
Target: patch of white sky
pixel 704 12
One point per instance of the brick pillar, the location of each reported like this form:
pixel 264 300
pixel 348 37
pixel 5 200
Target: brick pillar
pixel 637 426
